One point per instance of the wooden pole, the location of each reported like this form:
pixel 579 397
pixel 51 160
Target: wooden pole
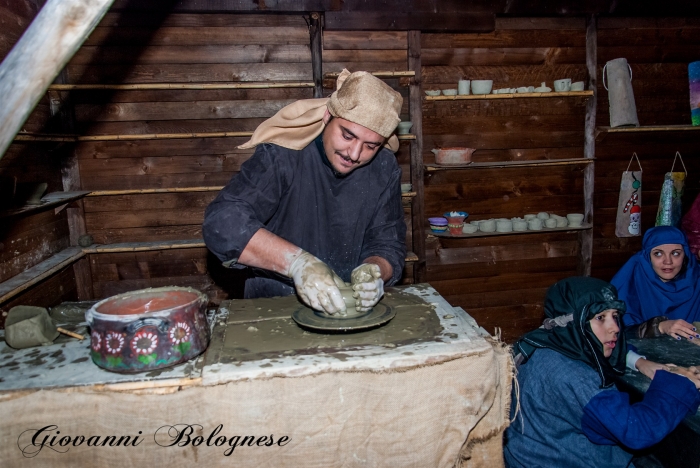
pixel 46 46
pixel 416 112
pixel 585 238
pixel 315 31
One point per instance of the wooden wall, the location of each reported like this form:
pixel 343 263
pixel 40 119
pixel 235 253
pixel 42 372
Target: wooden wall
pixel 501 281
pixel 26 240
pixel 658 51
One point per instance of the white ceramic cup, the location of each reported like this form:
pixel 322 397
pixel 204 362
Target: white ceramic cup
pixel 520 225
pixel 535 224
pixel 550 223
pixel 404 127
pixel 561 221
pixel 504 225
pixel 481 86
pixel 577 86
pixel 463 87
pixel 575 219
pixel 475 223
pixel 487 225
pixel 469 229
pixel 543 215
pixel 528 217
pixel 562 85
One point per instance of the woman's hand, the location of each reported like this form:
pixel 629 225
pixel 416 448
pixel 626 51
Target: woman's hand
pixel 678 329
pixel 649 368
pixel 692 373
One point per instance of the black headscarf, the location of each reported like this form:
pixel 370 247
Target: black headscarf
pixel 570 305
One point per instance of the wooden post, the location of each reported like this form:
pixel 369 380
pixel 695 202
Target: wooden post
pixel 585 238
pixel 315 31
pixel 45 47
pixel 416 112
pixel 63 111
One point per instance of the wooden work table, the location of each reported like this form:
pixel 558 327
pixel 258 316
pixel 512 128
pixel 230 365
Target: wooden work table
pixel 431 375
pixel 682 447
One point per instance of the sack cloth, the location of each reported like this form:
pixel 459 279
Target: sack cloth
pixel 669 212
pixel 629 203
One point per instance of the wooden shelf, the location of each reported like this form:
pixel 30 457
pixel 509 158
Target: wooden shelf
pixel 31 276
pixel 406 137
pixel 378 74
pixel 49 200
pixel 602 132
pixel 506 164
pixel 460 97
pixel 144 246
pixel 145 136
pixel 146 86
pixel 411 257
pixel 544 230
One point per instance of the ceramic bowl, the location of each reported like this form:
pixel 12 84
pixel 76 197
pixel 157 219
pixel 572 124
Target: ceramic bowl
pixel 453 156
pixel 577 86
pixel 432 92
pixel 449 92
pixel 550 223
pixel 543 215
pixel 522 89
pixel 406 188
pixel 469 229
pixel 504 225
pixel 455 217
pixel 561 220
pixel 482 86
pixel 487 225
pixel 535 224
pixel 528 217
pixel 575 219
pixel 520 225
pixel 404 127
pixel 438 224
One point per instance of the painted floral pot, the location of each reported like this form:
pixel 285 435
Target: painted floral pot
pixel 149 329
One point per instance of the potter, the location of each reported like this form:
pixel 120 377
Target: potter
pixel 343 145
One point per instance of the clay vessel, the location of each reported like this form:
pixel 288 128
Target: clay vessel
pixel 453 156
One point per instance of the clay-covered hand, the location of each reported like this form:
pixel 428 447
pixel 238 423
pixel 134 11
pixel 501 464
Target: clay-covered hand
pixel 368 285
pixel 649 368
pixel 316 284
pixel 678 329
pixel 690 372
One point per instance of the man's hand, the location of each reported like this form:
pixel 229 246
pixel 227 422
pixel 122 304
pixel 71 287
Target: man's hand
pixel 692 373
pixel 368 285
pixel 316 284
pixel 678 329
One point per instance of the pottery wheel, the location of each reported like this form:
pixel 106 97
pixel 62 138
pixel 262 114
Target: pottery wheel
pixel 321 322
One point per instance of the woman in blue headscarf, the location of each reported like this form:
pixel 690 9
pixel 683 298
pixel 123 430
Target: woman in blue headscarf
pixel 660 286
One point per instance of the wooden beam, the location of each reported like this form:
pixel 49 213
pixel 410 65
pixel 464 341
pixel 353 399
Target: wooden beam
pixel 585 238
pixel 463 21
pixel 151 86
pixel 315 31
pixel 417 174
pixel 46 46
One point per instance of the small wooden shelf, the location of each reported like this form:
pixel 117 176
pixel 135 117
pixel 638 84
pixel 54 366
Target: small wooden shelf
pixel 411 257
pixel 466 97
pixel 33 275
pixel 378 74
pixel 406 137
pixel 47 201
pixel 602 132
pixel 408 194
pixel 544 230
pixel 146 86
pixel 506 164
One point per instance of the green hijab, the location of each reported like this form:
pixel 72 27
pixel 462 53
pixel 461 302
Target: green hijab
pixel 570 305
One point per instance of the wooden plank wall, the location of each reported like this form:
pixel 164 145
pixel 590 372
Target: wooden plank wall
pixel 192 48
pixel 658 51
pixel 375 51
pixel 28 239
pixel 501 281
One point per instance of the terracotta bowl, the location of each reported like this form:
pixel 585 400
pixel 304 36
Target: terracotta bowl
pixel 453 156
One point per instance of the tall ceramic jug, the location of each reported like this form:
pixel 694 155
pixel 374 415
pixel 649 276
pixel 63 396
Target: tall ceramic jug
pixel 618 82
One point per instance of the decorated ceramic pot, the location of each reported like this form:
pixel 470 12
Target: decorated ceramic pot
pixel 149 329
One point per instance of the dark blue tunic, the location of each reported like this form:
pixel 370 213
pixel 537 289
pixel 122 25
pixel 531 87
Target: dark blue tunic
pixel 297 196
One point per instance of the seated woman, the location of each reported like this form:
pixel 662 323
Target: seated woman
pixel 660 286
pixel 569 413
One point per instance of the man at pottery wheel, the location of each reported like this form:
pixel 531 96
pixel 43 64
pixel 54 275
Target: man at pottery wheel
pixel 319 202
